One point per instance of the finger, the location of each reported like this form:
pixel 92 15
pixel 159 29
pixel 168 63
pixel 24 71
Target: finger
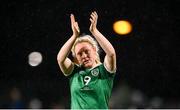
pixel 76 26
pixel 93 17
pixel 72 18
pixel 92 21
pixel 95 13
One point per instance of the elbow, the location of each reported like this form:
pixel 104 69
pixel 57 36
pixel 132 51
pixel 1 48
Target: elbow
pixel 112 53
pixel 59 59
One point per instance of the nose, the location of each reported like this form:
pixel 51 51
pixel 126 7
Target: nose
pixel 84 55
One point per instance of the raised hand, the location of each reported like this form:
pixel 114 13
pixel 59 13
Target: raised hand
pixel 93 19
pixel 74 26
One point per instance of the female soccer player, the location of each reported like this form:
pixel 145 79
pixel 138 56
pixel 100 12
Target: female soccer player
pixel 90 80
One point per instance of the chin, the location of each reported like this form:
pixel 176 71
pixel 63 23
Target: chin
pixel 88 65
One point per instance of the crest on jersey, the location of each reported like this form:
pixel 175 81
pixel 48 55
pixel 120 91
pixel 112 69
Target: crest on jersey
pixel 95 72
pixel 81 72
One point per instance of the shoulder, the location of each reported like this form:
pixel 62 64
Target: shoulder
pixel 104 68
pixel 111 72
pixel 76 69
pixel 104 72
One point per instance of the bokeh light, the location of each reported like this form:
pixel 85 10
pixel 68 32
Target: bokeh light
pixel 122 27
pixel 35 58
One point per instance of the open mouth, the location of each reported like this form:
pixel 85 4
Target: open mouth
pixel 86 61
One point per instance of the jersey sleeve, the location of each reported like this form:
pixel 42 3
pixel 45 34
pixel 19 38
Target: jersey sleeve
pixel 105 73
pixel 75 69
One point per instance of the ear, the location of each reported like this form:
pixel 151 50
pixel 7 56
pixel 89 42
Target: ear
pixel 94 49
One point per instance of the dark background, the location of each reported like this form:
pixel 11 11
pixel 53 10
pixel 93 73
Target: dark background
pixel 148 59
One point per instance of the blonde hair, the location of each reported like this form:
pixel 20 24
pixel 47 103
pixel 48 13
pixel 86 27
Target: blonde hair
pixel 90 40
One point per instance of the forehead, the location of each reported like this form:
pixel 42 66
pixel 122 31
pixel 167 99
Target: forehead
pixel 82 46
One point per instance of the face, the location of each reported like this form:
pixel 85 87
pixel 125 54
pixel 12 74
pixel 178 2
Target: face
pixel 85 54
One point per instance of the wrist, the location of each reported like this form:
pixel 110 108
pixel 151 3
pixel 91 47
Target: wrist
pixel 74 36
pixel 94 31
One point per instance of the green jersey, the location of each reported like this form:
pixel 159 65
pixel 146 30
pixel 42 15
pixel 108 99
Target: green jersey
pixel 90 88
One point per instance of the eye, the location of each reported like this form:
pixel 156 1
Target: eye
pixel 87 51
pixel 80 53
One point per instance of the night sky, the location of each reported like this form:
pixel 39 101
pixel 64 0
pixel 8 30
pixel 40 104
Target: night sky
pixel 147 59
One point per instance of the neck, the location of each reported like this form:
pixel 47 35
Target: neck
pixel 94 65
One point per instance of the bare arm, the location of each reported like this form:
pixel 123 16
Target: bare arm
pixel 64 62
pixel 110 58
